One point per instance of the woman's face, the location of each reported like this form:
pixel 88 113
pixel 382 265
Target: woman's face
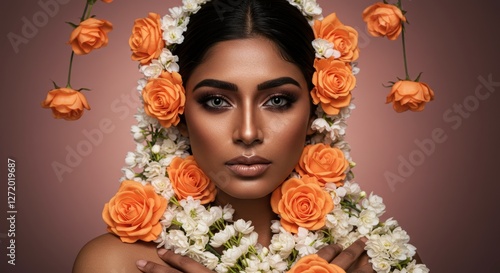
pixel 247 114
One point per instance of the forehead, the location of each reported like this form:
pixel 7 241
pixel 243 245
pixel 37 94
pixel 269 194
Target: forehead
pixel 243 60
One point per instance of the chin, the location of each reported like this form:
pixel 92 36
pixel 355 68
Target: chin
pixel 249 193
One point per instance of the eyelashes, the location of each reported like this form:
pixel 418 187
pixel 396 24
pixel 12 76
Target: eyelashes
pixel 215 102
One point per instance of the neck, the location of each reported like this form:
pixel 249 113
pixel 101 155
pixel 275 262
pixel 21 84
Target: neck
pixel 258 211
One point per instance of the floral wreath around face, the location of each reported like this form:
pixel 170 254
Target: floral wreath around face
pixel 165 197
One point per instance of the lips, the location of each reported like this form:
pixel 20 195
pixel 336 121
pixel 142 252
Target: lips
pixel 248 167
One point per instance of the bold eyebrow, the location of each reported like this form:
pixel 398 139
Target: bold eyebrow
pixel 216 84
pixel 276 83
pixel 232 87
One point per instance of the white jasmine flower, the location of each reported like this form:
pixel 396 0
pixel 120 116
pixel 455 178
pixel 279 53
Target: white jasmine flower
pixel 173 35
pixel 152 70
pixel 230 256
pixel 155 149
pixel 210 260
pixel 177 240
pixel 381 265
pixel 243 227
pixel 375 203
pixel 221 268
pixel 141 157
pixel 366 220
pixel 250 239
pixel 283 244
pixel 154 169
pixel 324 49
pixel 137 133
pixel 190 6
pixel 163 186
pixel 130 159
pixel 304 242
pixel 169 215
pixel 227 212
pixel 176 12
pixel 140 84
pixel 169 60
pixel 320 125
pixel 222 236
pixel 311 8
pixel 275 226
pixel 128 173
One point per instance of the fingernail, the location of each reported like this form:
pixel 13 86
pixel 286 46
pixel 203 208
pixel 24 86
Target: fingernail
pixel 141 263
pixel 162 251
pixel 363 239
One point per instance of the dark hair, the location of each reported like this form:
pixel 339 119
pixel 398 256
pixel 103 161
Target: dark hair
pixel 223 20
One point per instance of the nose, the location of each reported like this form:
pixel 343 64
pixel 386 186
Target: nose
pixel 248 127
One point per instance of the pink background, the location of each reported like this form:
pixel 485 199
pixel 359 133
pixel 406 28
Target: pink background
pixel 447 203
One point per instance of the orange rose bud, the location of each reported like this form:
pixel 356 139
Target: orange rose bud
pixel 384 20
pixel 66 103
pixel 409 95
pixel 146 41
pixel 189 180
pixel 89 35
pixel 313 263
pixel 301 204
pixel 333 81
pixel 344 38
pixel 327 164
pixel 134 212
pixel 164 98
pixel 107 1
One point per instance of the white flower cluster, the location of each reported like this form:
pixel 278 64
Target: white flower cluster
pixel 209 234
pixel 309 8
pixel 198 231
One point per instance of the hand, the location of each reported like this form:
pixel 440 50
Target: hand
pixel 353 259
pixel 175 263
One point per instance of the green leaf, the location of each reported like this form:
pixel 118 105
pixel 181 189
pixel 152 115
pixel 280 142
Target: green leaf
pixel 55 85
pixel 418 77
pixel 72 24
pixel 83 89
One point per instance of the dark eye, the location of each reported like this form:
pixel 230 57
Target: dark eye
pixel 279 102
pixel 216 102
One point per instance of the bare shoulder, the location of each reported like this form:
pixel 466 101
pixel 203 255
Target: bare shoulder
pixel 107 253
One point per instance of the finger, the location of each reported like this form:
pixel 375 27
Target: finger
pixel 367 268
pixel 349 256
pixel 151 267
pixel 362 265
pixel 329 252
pixel 182 263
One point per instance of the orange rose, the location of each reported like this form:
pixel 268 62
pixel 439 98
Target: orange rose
pixel 134 212
pixel 344 38
pixel 313 263
pixel 333 81
pixel 301 204
pixel 327 164
pixel 146 41
pixel 189 180
pixel 164 98
pixel 107 1
pixel 384 20
pixel 89 35
pixel 66 103
pixel 410 95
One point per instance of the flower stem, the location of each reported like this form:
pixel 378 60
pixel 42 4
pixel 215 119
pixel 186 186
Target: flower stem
pixel 85 16
pixel 68 84
pixel 404 43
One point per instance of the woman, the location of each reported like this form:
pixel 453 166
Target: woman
pixel 247 70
